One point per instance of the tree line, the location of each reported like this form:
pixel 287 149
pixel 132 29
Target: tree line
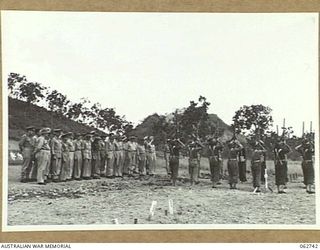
pixel 85 112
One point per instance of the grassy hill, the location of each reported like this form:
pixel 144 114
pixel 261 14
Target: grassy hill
pixel 22 115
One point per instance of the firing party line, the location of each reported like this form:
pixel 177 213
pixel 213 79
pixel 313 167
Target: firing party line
pixel 51 155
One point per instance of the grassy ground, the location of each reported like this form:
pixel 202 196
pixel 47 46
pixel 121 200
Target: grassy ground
pixel 100 201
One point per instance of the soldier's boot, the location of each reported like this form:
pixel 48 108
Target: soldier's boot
pixel 258 190
pixel 281 189
pixel 310 189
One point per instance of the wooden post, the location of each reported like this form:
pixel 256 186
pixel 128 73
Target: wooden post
pixel 170 206
pixel 152 209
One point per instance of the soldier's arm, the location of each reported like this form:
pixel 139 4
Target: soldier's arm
pixel 21 143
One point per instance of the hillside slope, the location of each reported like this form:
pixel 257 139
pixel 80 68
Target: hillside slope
pixel 22 115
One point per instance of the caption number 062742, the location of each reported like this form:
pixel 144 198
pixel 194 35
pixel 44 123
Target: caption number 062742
pixel 306 246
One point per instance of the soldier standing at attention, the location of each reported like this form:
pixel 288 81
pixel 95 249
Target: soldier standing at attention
pixel 242 161
pixel 166 153
pixel 26 146
pixel 110 171
pixel 256 164
pixel 96 163
pixel 153 156
pixel 103 155
pixel 148 154
pixel 194 148
pixel 306 149
pixel 175 146
pixel 233 169
pixel 280 153
pixel 71 148
pixel 56 155
pixel 78 144
pixel 121 154
pixel 65 158
pixel 134 146
pixel 42 154
pixel 127 160
pixel 34 170
pixel 86 157
pixel 116 165
pixel 141 156
pixel 215 160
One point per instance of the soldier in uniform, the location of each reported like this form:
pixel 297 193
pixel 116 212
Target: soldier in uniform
pixel 194 148
pixel 166 153
pixel 56 155
pixel 280 153
pixel 233 169
pixel 175 146
pixel 86 157
pixel 141 156
pixel 96 161
pixel 126 145
pixel 117 171
pixel 121 154
pixel 78 145
pixel 65 158
pixel 103 156
pixel 306 149
pixel 42 154
pixel 215 148
pixel 72 149
pixel 256 163
pixel 34 170
pixel 110 156
pixel 148 154
pixel 26 146
pixel 242 162
pixel 153 156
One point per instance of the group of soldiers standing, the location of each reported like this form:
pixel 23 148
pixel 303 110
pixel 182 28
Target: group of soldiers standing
pixel 236 163
pixel 51 155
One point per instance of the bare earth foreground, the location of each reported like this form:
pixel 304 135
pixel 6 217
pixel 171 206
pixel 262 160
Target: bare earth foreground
pixel 101 201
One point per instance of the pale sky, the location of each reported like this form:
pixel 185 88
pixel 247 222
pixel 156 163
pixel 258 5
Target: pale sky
pixel 142 63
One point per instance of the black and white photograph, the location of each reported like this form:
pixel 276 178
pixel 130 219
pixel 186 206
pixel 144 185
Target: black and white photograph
pixel 117 120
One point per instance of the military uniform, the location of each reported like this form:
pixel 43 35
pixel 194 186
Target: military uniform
pixel 109 146
pixel 56 155
pixel 121 157
pixel 215 161
pixel 307 151
pixel 233 168
pixel 141 155
pixel 26 146
pixel 42 154
pixel 242 161
pixel 65 168
pixel 72 149
pixel 194 162
pixel 175 148
pixel 96 160
pixel 281 168
pixel 117 157
pixel 86 157
pixel 102 147
pixel 256 166
pixel 34 170
pixel 166 154
pixel 78 144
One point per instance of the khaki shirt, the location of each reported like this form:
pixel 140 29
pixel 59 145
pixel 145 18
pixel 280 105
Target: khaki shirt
pixel 56 147
pixel 86 151
pixel 42 144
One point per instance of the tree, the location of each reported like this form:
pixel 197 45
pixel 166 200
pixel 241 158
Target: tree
pixel 252 120
pixel 194 120
pixel 14 82
pixel 31 92
pixel 57 102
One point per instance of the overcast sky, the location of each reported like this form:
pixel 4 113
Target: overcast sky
pixel 142 63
